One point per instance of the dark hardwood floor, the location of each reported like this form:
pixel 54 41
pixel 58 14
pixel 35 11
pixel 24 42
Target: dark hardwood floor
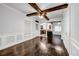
pixel 56 48
pixel 37 47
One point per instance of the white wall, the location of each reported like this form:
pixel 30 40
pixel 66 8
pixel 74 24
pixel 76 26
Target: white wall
pixel 74 29
pixel 70 29
pixel 13 28
pixel 10 21
pixel 66 27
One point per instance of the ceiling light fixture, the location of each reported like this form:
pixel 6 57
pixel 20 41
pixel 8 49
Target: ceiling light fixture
pixel 41 16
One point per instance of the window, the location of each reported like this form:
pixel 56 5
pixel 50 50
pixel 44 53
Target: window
pixel 57 28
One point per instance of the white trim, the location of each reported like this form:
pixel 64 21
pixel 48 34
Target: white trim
pixel 14 43
pixel 75 45
pixel 74 41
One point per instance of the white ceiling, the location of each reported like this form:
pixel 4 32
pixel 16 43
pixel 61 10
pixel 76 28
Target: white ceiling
pixel 26 8
pixel 44 6
pixel 23 7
